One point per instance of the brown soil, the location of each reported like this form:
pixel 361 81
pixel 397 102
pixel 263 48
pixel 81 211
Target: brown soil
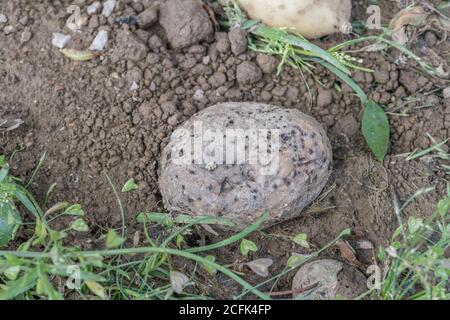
pixel 89 122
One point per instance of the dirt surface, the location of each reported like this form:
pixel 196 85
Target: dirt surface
pixel 89 122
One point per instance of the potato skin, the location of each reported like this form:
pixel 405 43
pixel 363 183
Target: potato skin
pixel 310 18
pixel 241 191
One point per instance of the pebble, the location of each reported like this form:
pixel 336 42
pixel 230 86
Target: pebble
pixel 108 8
pixel 26 36
pixel 134 86
pixel 100 41
pixel 93 8
pixel 60 40
pixel 3 18
pixel 8 29
pixel 199 94
pixel 446 93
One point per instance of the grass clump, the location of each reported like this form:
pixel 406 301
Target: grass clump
pixel 46 266
pixel 418 267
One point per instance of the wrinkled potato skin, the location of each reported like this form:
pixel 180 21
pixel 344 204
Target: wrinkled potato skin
pixel 310 18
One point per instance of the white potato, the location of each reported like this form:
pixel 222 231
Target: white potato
pixel 310 18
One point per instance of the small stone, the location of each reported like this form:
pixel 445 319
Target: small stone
pixel 26 36
pixel 94 22
pixel 206 59
pixel 248 73
pixel 93 8
pixel 268 64
pixel 8 30
pixel 130 47
pixel 198 95
pixel 108 8
pixel 324 98
pixel 446 93
pixel 238 40
pixel 186 22
pixel 134 86
pixel 3 19
pixel 147 18
pixel 100 41
pixel 60 40
pixel 223 45
pixel 381 76
pixel 24 20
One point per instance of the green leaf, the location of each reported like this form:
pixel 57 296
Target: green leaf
pixel 12 272
pixel 130 185
pixel 301 239
pixel 19 286
pixel 208 267
pixel 113 240
pixel 96 288
pixel 443 207
pixel 179 241
pixel 80 226
pixel 247 246
pixel 297 259
pixel 75 210
pixel 40 232
pixel 2 160
pixel 57 207
pixel 248 24
pixel 45 287
pixel 414 224
pixel 10 220
pixel 375 128
pixel 382 254
pixel 4 172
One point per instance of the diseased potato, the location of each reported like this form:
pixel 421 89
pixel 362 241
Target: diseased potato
pixel 310 18
pixel 238 160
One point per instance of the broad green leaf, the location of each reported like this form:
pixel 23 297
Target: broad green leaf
pixel 80 226
pixel 45 287
pixel 301 239
pixel 247 246
pixel 12 272
pixel 443 207
pixel 297 259
pixel 179 241
pixel 14 288
pixel 96 288
pixel 9 219
pixel 40 232
pixel 2 160
pixel 113 240
pixel 414 224
pixel 208 267
pixel 130 185
pixel 75 210
pixel 375 128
